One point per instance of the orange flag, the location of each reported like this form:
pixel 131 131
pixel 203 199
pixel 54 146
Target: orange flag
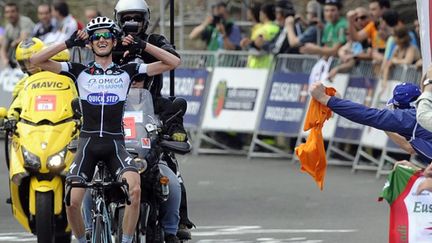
pixel 312 153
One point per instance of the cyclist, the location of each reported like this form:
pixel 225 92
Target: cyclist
pixel 103 88
pixel 136 13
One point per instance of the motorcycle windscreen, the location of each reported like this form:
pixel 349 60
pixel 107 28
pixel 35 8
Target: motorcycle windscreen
pixel 138 113
pixel 47 96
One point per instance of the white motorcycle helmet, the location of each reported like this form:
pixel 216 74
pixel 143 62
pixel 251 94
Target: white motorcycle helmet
pixel 132 6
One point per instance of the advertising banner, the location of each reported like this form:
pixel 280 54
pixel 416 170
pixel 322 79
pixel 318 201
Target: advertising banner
pixel 190 85
pixel 234 99
pixel 425 19
pixel 285 104
pixel 359 90
pixel 8 78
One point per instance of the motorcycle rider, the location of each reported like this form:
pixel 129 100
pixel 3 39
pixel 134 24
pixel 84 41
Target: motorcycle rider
pixel 24 51
pixel 102 137
pixel 133 17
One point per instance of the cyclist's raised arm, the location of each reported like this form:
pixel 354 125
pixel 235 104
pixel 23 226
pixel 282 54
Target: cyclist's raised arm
pixel 42 58
pixel 167 61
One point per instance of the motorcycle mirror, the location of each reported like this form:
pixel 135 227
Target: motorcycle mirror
pixel 3 112
pixel 180 104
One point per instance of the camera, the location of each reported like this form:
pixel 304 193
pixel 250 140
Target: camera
pixel 131 27
pixel 216 19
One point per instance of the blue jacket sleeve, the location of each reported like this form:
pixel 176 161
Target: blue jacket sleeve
pixel 398 120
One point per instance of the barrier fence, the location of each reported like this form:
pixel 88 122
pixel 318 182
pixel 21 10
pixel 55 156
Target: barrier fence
pixel 269 105
pixel 272 103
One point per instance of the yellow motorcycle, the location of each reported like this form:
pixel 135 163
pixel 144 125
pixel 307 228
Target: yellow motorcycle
pixel 40 154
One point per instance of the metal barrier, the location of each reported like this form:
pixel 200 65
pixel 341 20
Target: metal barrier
pixel 363 69
pixel 197 59
pixel 295 63
pixel 232 58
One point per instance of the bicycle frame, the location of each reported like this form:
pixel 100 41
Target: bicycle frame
pixel 101 212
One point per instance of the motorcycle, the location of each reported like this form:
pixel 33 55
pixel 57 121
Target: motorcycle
pixel 39 155
pixel 147 145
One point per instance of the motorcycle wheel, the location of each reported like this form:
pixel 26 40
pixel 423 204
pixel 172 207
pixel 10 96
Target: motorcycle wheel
pixel 138 237
pixel 45 217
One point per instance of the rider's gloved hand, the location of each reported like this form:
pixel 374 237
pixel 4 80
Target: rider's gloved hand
pixel 179 136
pixel 74 40
pixel 10 124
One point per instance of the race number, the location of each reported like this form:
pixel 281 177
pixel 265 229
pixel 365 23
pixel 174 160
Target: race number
pixel 45 103
pixel 129 127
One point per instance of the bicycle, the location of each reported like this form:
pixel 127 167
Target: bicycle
pixel 104 192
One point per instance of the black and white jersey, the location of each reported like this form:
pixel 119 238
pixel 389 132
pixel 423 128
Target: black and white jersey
pixel 103 95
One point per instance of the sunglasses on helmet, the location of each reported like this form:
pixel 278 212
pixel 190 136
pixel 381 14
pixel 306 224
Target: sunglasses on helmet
pixel 105 35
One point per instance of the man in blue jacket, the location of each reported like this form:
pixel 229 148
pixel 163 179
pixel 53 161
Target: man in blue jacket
pixel 400 120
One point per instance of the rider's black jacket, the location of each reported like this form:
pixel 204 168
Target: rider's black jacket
pixel 154 39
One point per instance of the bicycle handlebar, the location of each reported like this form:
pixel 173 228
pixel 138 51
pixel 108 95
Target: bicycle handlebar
pixel 123 185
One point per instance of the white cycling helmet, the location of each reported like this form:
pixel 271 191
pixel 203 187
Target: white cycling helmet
pixel 102 23
pixel 132 6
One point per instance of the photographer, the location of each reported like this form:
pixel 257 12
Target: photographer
pixel 218 31
pixel 279 43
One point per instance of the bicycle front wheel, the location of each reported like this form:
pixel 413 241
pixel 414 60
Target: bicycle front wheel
pixel 98 232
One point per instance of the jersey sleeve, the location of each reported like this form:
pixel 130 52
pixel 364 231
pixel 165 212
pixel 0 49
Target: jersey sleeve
pixel 71 69
pixel 135 69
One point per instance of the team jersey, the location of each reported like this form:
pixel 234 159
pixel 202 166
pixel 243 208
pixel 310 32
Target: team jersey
pixel 409 213
pixel 103 95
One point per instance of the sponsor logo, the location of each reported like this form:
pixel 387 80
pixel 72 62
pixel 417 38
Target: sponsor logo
pixel 106 83
pixel 103 98
pixel 239 99
pixel 145 143
pixel 219 98
pixel 47 85
pixel 199 87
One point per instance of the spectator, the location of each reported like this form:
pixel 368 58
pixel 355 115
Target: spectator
pixel 18 28
pixel 92 13
pixel 334 31
pixel 348 54
pixel 266 32
pixel 397 122
pixel 279 44
pixel 311 34
pixel 253 15
pixel 65 23
pixel 352 51
pixel 404 53
pixel 370 32
pixel 218 31
pixel 391 20
pixel 45 24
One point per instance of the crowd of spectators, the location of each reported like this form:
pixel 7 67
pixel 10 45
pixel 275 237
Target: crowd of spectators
pixel 327 28
pixel 373 33
pixel 54 23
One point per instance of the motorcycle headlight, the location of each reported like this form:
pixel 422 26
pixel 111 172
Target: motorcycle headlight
pixel 31 161
pixel 56 162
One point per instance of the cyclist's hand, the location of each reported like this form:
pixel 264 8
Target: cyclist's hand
pixel 78 38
